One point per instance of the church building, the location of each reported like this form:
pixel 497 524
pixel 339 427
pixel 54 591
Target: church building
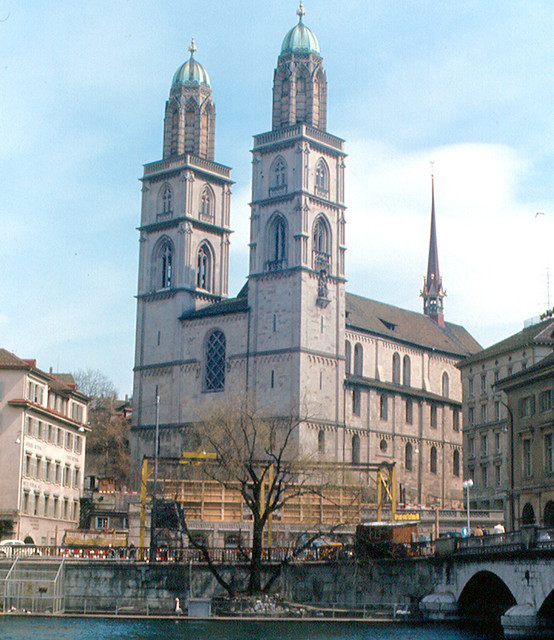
pixel 371 382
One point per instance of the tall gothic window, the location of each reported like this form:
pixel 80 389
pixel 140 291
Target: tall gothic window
pixel 277 244
pixel 406 371
pixel 348 355
pixel 433 460
pixel 408 456
pixel 445 385
pixel 456 463
pixel 204 268
pixel 321 441
pixel 214 379
pixel 356 449
pixel 165 200
pixel 321 178
pixel 321 238
pixel 163 265
pixel 358 360
pixel 207 203
pixel 396 368
pixel 279 174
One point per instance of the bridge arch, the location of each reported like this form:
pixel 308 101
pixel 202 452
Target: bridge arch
pixel 499 598
pixel 546 610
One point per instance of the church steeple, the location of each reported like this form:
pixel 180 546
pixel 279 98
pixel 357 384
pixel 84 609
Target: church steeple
pixel 189 125
pixel 433 293
pixel 300 83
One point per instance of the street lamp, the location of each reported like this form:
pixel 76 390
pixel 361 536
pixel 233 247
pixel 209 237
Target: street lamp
pixel 467 484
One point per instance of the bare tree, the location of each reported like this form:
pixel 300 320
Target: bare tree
pixel 259 457
pixel 94 383
pixel 107 451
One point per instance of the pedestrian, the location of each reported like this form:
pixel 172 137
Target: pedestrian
pixel 178 610
pixel 499 528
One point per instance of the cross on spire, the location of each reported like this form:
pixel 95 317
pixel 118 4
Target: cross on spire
pixel 192 48
pixel 300 13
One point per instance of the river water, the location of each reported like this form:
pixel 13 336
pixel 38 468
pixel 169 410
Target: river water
pixel 23 628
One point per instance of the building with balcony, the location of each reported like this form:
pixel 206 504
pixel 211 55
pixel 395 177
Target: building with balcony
pixel 43 420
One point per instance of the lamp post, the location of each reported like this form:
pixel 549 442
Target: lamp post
pixel 467 484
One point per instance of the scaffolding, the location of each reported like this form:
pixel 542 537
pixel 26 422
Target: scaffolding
pixel 34 586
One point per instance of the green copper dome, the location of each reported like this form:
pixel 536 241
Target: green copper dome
pixel 192 72
pixel 300 38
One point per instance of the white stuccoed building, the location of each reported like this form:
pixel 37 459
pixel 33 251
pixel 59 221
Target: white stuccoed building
pixel 43 420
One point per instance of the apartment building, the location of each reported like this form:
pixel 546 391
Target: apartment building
pixel 43 420
pixel 487 422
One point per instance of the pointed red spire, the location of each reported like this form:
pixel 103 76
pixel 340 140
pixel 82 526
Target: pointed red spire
pixel 433 293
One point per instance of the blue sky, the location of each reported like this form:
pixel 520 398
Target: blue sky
pixel 83 83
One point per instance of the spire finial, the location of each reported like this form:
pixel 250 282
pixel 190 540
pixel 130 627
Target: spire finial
pixel 192 48
pixel 433 292
pixel 300 13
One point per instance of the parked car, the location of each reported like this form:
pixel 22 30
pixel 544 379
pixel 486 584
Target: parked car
pixel 12 548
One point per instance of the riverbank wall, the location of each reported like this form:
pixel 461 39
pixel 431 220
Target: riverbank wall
pixel 115 586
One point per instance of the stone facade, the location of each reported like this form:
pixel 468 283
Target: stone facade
pixel 486 419
pixel 530 399
pixel 42 452
pixel 293 339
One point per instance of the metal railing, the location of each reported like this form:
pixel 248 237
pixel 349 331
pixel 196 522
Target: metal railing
pixel 506 543
pixel 32 586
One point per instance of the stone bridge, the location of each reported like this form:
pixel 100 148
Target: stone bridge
pixel 507 577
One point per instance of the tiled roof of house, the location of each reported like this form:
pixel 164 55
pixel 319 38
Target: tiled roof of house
pixel 232 305
pixel 541 333
pixel 9 360
pixel 407 326
pixel 377 318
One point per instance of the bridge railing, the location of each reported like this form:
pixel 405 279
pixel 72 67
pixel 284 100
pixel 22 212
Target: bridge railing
pixel 526 538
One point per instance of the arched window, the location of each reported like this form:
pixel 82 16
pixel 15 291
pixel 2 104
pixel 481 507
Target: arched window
pixel 164 207
pixel 356 449
pixel 321 236
pixel 549 515
pixel 214 379
pixel 408 456
pixel 207 203
pixel 456 463
pixel 396 368
pixel 528 514
pixel 204 267
pixel 322 178
pixel 163 264
pixel 445 385
pixel 321 441
pixel 278 175
pixel 276 244
pixel 358 360
pixel 406 371
pixel 191 111
pixel 348 355
pixel 433 460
